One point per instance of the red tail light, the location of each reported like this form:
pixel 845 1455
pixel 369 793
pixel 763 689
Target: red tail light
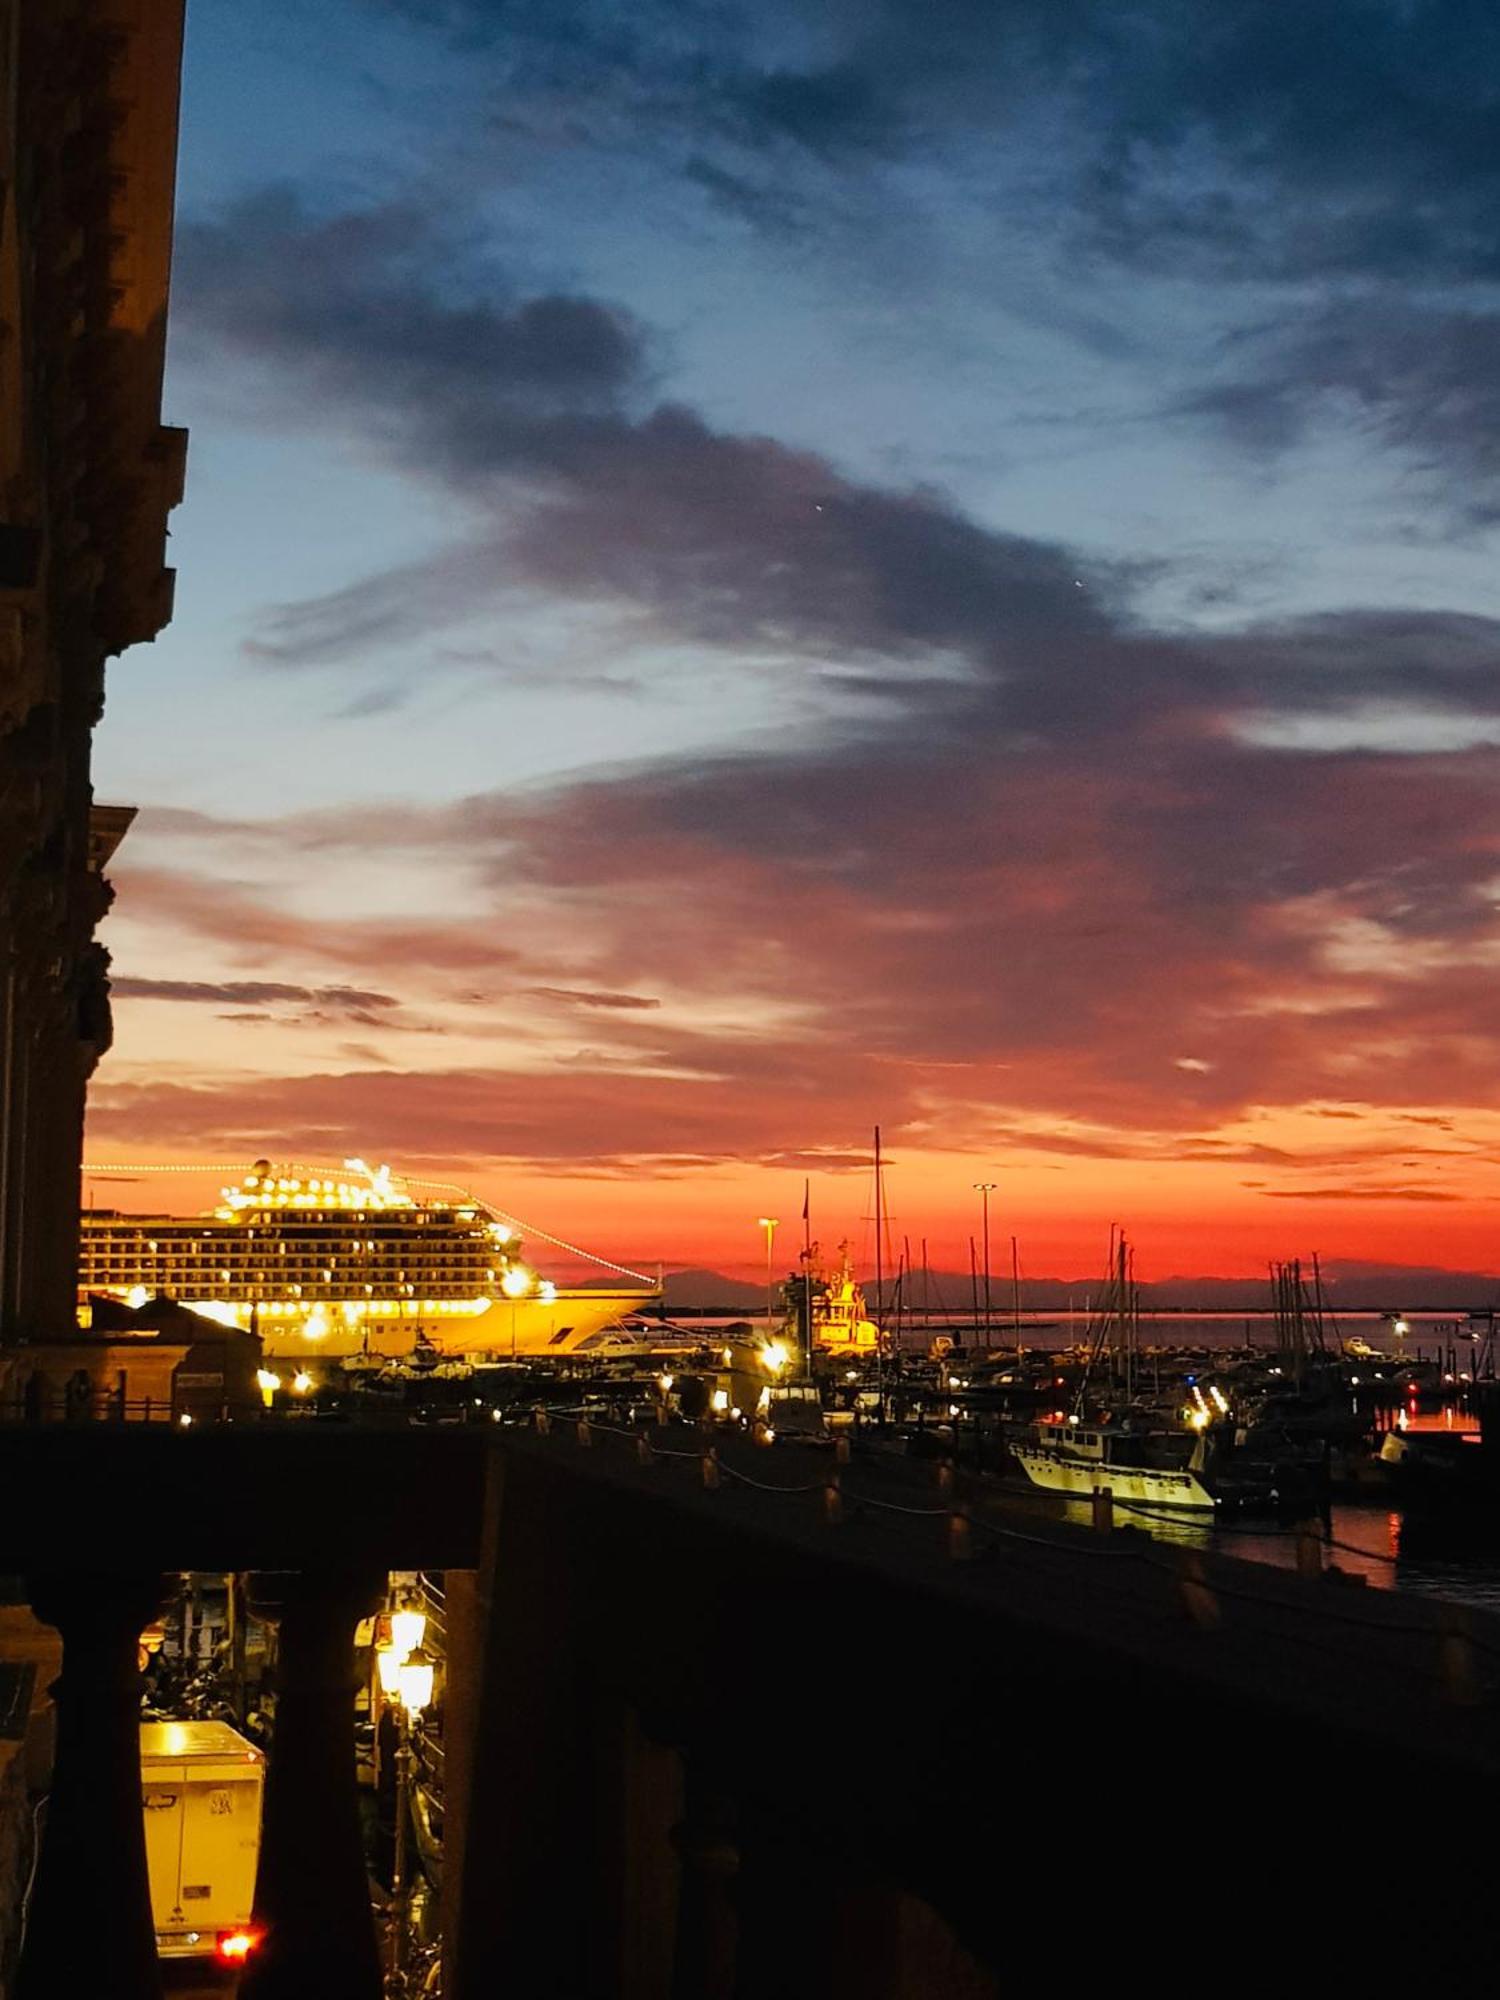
pixel 234 1947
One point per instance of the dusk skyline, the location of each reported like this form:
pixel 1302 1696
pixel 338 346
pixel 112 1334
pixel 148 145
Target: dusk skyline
pixel 745 576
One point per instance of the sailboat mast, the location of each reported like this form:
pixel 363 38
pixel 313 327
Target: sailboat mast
pixel 1015 1291
pixel 908 1287
pixel 807 1278
pixel 879 1202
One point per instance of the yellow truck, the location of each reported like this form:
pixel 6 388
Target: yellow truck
pixel 201 1786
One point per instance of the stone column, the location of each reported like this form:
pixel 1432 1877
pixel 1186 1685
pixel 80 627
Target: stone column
pixel 312 1894
pixel 707 1919
pixel 89 1929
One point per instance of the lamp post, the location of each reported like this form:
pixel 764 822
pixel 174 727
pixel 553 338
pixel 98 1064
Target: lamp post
pixel 984 1189
pixel 406 1682
pixel 769 1223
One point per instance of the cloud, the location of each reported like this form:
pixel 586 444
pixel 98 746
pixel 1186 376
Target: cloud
pixel 1423 379
pixel 1257 158
pixel 246 992
pixel 1357 136
pixel 611 1001
pixel 1360 1194
pixel 255 930
pixel 1037 850
pixel 580 487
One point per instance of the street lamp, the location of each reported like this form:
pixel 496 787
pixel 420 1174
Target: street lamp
pixel 406 1682
pixel 408 1629
pixel 770 1224
pixel 984 1189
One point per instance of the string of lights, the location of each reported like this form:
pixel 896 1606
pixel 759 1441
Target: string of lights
pixel 1216 1587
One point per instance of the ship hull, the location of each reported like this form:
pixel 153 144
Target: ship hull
pixel 1148 1486
pixel 504 1330
pixel 501 1331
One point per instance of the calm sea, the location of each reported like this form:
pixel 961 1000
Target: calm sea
pixel 1427 1332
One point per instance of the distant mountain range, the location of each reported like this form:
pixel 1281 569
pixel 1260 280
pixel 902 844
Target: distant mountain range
pixel 1356 1286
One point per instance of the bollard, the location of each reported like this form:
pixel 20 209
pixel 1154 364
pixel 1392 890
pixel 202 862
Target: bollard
pixel 585 1433
pixel 1309 1553
pixel 960 1541
pixel 643 1450
pixel 841 1452
pixel 833 1500
pixel 711 1470
pixel 1104 1510
pixel 1459 1678
pixel 945 1476
pixel 1199 1598
pixel 543 1422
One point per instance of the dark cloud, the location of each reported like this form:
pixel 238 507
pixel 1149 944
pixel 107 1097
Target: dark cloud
pixel 1351 142
pixel 580 489
pixel 246 992
pixel 1423 380
pixel 1356 135
pixel 610 1001
pixel 591 493
pixel 370 308
pixel 1360 1194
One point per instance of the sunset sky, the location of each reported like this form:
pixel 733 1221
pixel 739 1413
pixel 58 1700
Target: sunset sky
pixel 750 570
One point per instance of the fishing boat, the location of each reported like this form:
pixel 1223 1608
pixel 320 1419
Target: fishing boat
pixel 1078 1458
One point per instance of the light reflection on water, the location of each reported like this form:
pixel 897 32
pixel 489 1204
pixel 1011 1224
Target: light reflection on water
pixel 1367 1540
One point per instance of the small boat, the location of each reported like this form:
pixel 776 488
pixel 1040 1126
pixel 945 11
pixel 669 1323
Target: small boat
pixel 1078 1458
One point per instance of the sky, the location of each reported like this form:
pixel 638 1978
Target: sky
pixel 750 571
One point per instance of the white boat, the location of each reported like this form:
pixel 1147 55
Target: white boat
pixel 339 1264
pixel 1078 1459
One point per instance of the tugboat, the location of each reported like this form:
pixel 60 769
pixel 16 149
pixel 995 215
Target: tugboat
pixel 840 1318
pixel 1077 1458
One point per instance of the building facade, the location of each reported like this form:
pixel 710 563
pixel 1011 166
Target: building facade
pixel 88 475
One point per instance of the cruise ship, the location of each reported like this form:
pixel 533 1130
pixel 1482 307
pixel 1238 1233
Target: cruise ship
pixel 348 1264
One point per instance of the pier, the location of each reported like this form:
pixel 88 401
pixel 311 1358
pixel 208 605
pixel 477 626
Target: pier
pixel 726 1720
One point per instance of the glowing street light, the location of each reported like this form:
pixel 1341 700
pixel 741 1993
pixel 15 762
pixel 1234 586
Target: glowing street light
pixel 406 1680
pixel 408 1629
pixel 414 1682
pixel 770 1224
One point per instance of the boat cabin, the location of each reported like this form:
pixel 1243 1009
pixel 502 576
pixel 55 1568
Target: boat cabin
pixel 1080 1439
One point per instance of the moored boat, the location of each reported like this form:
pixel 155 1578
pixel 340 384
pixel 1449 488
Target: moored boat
pixel 1078 1458
pixel 349 1264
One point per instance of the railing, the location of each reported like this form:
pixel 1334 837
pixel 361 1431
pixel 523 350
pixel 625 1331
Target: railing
pixel 18 1408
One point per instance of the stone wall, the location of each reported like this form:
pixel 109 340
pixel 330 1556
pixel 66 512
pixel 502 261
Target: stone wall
pixel 88 136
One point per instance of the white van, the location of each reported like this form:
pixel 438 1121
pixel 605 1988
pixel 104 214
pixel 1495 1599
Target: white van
pixel 201 1786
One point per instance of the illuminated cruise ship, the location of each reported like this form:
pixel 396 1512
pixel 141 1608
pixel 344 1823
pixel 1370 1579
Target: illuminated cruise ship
pixel 335 1265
